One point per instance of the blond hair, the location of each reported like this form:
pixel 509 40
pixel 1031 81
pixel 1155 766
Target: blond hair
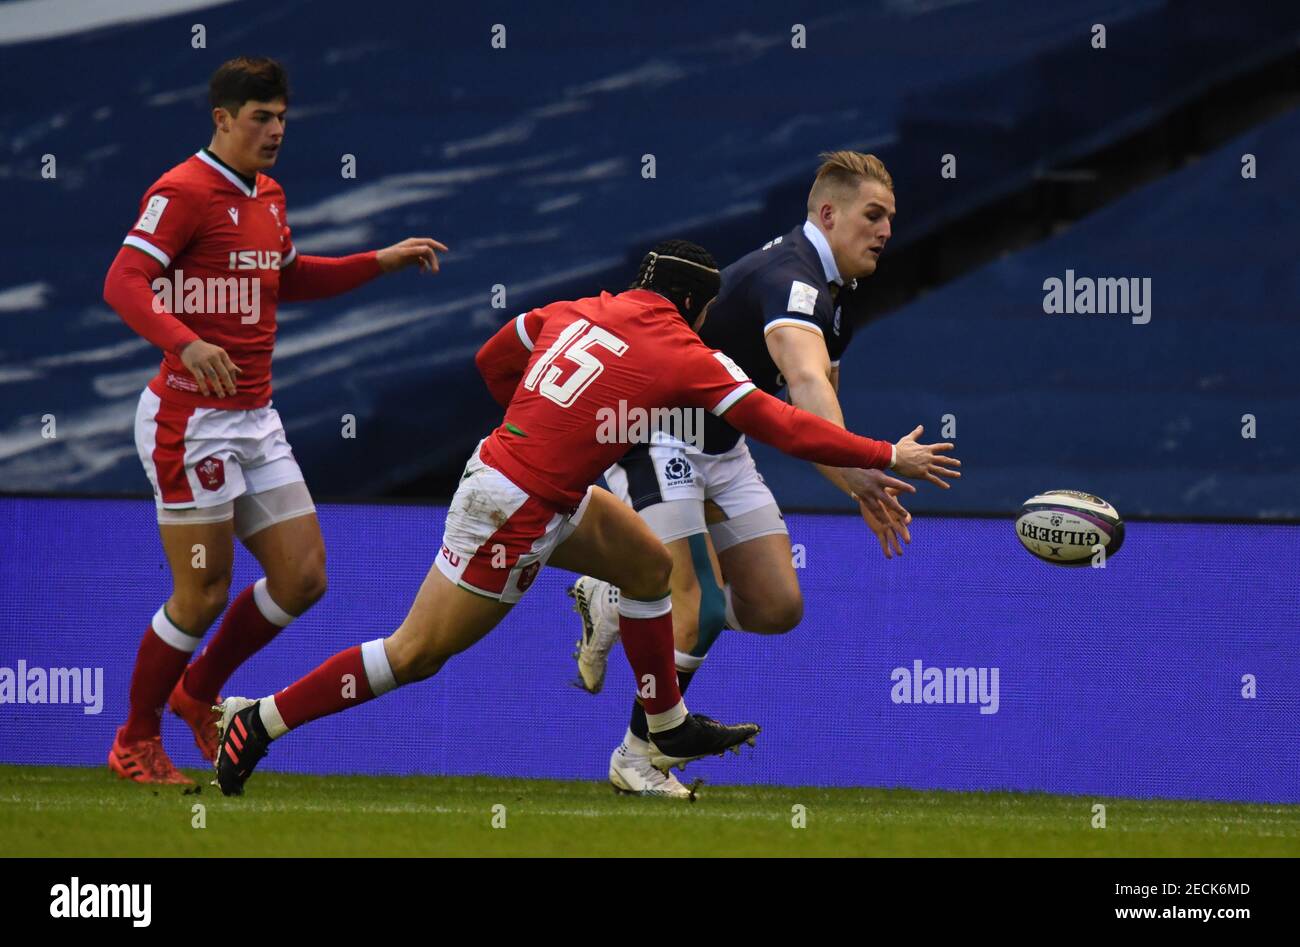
pixel 842 173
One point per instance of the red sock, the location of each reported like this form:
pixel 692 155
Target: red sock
pixel 648 644
pixel 164 652
pixel 339 683
pixel 244 631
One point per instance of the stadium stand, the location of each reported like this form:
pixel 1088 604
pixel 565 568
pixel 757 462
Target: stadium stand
pixel 530 166
pixel 1035 396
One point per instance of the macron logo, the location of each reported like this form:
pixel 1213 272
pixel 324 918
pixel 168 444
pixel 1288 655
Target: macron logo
pixel 78 900
pixel 234 215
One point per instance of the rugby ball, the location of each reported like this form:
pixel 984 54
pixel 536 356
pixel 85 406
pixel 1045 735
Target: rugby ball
pixel 1065 527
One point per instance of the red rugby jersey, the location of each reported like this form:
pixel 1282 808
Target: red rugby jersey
pixel 614 357
pixel 221 244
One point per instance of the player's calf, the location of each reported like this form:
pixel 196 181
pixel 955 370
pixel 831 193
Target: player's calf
pixel 300 591
pixel 348 679
pixel 443 621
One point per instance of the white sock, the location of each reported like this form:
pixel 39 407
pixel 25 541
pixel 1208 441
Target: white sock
pixel 266 605
pixel 379 673
pixel 686 662
pixel 668 719
pixel 271 718
pixel 171 635
pixel 634 745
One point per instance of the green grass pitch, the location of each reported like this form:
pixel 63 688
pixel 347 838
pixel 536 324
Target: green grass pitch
pixel 88 812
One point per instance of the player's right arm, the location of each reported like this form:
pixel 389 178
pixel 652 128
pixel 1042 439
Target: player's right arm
pixel 502 359
pixel 800 434
pixel 167 224
pixel 715 382
pixel 799 351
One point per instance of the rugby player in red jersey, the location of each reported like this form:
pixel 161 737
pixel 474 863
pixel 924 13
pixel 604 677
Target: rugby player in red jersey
pixel 786 314
pixel 527 497
pixel 199 276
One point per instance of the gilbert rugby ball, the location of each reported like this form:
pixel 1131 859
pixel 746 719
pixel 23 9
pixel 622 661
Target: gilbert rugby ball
pixel 1065 527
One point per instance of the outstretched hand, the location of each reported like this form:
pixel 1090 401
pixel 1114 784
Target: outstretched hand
pixel 887 522
pixel 420 251
pixel 924 461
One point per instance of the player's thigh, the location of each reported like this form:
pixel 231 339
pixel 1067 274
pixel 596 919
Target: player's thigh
pixel 752 543
pixel 200 556
pixel 291 553
pixel 291 546
pixel 444 620
pixel 614 544
pixel 275 517
pixel 764 587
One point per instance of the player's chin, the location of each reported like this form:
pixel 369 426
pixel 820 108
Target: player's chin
pixel 266 156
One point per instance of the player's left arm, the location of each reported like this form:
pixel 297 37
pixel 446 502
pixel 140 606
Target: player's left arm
pixel 502 359
pixel 813 382
pixel 319 277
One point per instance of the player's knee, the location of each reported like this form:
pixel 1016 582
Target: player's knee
pixel 412 659
pixel 776 616
pixel 312 576
pixel 194 609
pixel 652 577
pixel 309 585
pixel 297 589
